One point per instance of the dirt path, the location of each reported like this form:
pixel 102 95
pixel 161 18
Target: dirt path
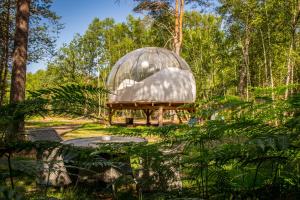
pixel 61 129
pixel 64 129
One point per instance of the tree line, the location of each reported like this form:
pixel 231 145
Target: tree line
pixel 239 46
pixel 232 47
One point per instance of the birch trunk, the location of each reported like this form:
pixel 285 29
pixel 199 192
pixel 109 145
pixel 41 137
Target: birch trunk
pixel 291 49
pixel 269 54
pixel 265 57
pixel 244 77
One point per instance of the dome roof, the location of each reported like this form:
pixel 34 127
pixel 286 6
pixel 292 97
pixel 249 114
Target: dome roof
pixel 142 63
pixel 151 74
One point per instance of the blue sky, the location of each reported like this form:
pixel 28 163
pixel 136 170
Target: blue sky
pixel 78 14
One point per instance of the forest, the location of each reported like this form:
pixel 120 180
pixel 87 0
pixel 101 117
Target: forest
pixel 240 142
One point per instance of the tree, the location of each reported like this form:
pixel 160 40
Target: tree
pixel 179 12
pixel 160 8
pixel 265 37
pixel 293 24
pixel 204 48
pixel 37 80
pixel 44 27
pixel 239 16
pixel 5 47
pixel 20 51
pixel 97 50
pixel 20 55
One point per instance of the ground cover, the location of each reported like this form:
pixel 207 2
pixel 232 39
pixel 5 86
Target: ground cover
pixel 79 128
pixel 248 151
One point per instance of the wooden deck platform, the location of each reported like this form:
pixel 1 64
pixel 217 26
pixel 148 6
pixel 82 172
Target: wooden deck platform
pixel 149 108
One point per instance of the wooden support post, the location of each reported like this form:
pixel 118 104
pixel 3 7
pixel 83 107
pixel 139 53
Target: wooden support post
pixel 178 116
pixel 148 117
pixel 160 116
pixel 174 115
pixel 110 115
pixel 132 113
pixel 148 114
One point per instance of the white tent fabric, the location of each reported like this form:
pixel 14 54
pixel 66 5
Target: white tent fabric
pixel 167 85
pixel 126 83
pixel 151 75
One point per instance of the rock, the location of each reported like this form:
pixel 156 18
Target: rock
pixel 52 170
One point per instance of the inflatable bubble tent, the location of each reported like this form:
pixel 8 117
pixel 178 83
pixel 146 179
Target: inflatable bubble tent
pixel 151 74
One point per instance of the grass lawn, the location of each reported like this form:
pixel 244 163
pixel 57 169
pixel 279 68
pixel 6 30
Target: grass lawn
pixel 79 128
pixel 39 122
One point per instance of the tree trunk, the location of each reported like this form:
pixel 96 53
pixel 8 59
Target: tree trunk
pixel 244 69
pixel 244 72
pixel 271 81
pixel 2 30
pixel 18 77
pixel 180 26
pixel 4 69
pixel 176 31
pixel 242 80
pixel 178 35
pixel 265 83
pixel 289 69
pixel 291 49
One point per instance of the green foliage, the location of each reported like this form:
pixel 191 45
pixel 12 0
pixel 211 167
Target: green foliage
pixel 93 53
pixel 242 153
pixel 204 49
pixel 36 81
pixel 7 193
pixel 72 100
pixel 234 156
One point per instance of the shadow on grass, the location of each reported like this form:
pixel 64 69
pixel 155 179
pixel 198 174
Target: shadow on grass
pixel 43 124
pixel 134 131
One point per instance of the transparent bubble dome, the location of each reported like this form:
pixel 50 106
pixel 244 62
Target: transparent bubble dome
pixel 151 74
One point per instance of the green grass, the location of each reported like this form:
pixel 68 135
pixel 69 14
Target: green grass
pixel 96 129
pixel 40 122
pixel 87 128
pixel 44 124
